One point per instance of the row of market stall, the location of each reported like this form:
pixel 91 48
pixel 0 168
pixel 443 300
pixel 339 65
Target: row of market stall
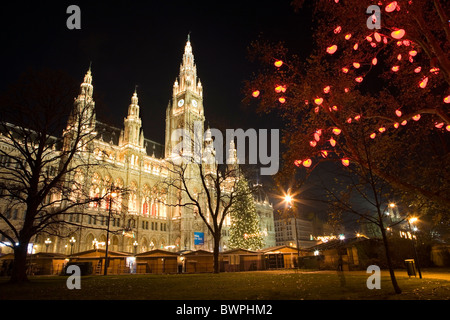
pixel 161 261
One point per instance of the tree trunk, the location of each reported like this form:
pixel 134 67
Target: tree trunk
pixel 389 262
pixel 216 253
pixel 19 270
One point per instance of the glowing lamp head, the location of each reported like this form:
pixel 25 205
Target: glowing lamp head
pixel 313 143
pixel 282 100
pixel 439 125
pixel 416 117
pixel 344 70
pixel 398 113
pixel 396 125
pixel 359 79
pixel 348 36
pixel 356 65
pixel 298 163
pixel 255 94
pixel 326 89
pixel 382 129
pixel 395 68
pixel 398 34
pixel 404 122
pixel 288 198
pixel 373 135
pixel 324 153
pixel 413 219
pixel 346 162
pixel 413 53
pixel 392 205
pixel 278 63
pixel 374 61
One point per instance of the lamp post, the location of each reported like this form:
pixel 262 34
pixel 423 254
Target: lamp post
pixel 289 199
pixel 72 242
pixel 410 221
pixel 135 244
pixel 111 195
pixel 47 243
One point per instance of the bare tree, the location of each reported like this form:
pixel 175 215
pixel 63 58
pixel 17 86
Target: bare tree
pixel 40 172
pixel 365 196
pixel 204 184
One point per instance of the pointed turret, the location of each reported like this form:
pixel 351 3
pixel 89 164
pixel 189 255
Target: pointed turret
pixel 132 133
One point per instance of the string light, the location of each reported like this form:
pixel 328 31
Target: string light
pixel 423 83
pixel 332 142
pixel 307 163
pixel 398 34
pixel 391 6
pixel 332 49
pixel 278 63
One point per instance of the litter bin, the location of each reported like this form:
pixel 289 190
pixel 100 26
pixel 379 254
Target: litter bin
pixel 410 267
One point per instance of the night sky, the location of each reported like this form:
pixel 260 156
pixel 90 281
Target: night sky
pixel 141 43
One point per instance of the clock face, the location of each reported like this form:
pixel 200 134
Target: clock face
pixel 181 103
pixel 194 103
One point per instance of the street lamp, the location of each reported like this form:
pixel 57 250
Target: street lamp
pixel 289 199
pixel 410 221
pixel 47 243
pixel 112 194
pixel 72 242
pixel 135 244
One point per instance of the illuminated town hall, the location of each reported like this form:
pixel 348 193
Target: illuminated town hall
pixel 146 217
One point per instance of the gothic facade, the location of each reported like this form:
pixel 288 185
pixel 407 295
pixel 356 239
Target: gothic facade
pixel 146 217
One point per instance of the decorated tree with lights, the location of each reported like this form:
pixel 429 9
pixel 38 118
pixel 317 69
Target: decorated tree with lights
pixel 245 231
pixel 393 82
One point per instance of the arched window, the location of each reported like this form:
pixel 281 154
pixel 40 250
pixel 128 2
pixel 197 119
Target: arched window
pixel 154 209
pixel 145 207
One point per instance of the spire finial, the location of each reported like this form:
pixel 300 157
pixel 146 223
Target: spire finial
pixel 189 37
pixel 90 65
pixel 135 89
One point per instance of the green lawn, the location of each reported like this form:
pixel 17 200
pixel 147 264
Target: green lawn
pixel 264 285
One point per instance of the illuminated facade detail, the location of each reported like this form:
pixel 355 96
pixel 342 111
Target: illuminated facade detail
pixel 146 216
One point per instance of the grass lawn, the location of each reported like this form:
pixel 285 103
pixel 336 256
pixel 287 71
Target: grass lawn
pixel 264 285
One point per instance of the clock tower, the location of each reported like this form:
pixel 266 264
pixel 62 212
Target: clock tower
pixel 185 110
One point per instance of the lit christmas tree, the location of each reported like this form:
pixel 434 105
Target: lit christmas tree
pixel 245 231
